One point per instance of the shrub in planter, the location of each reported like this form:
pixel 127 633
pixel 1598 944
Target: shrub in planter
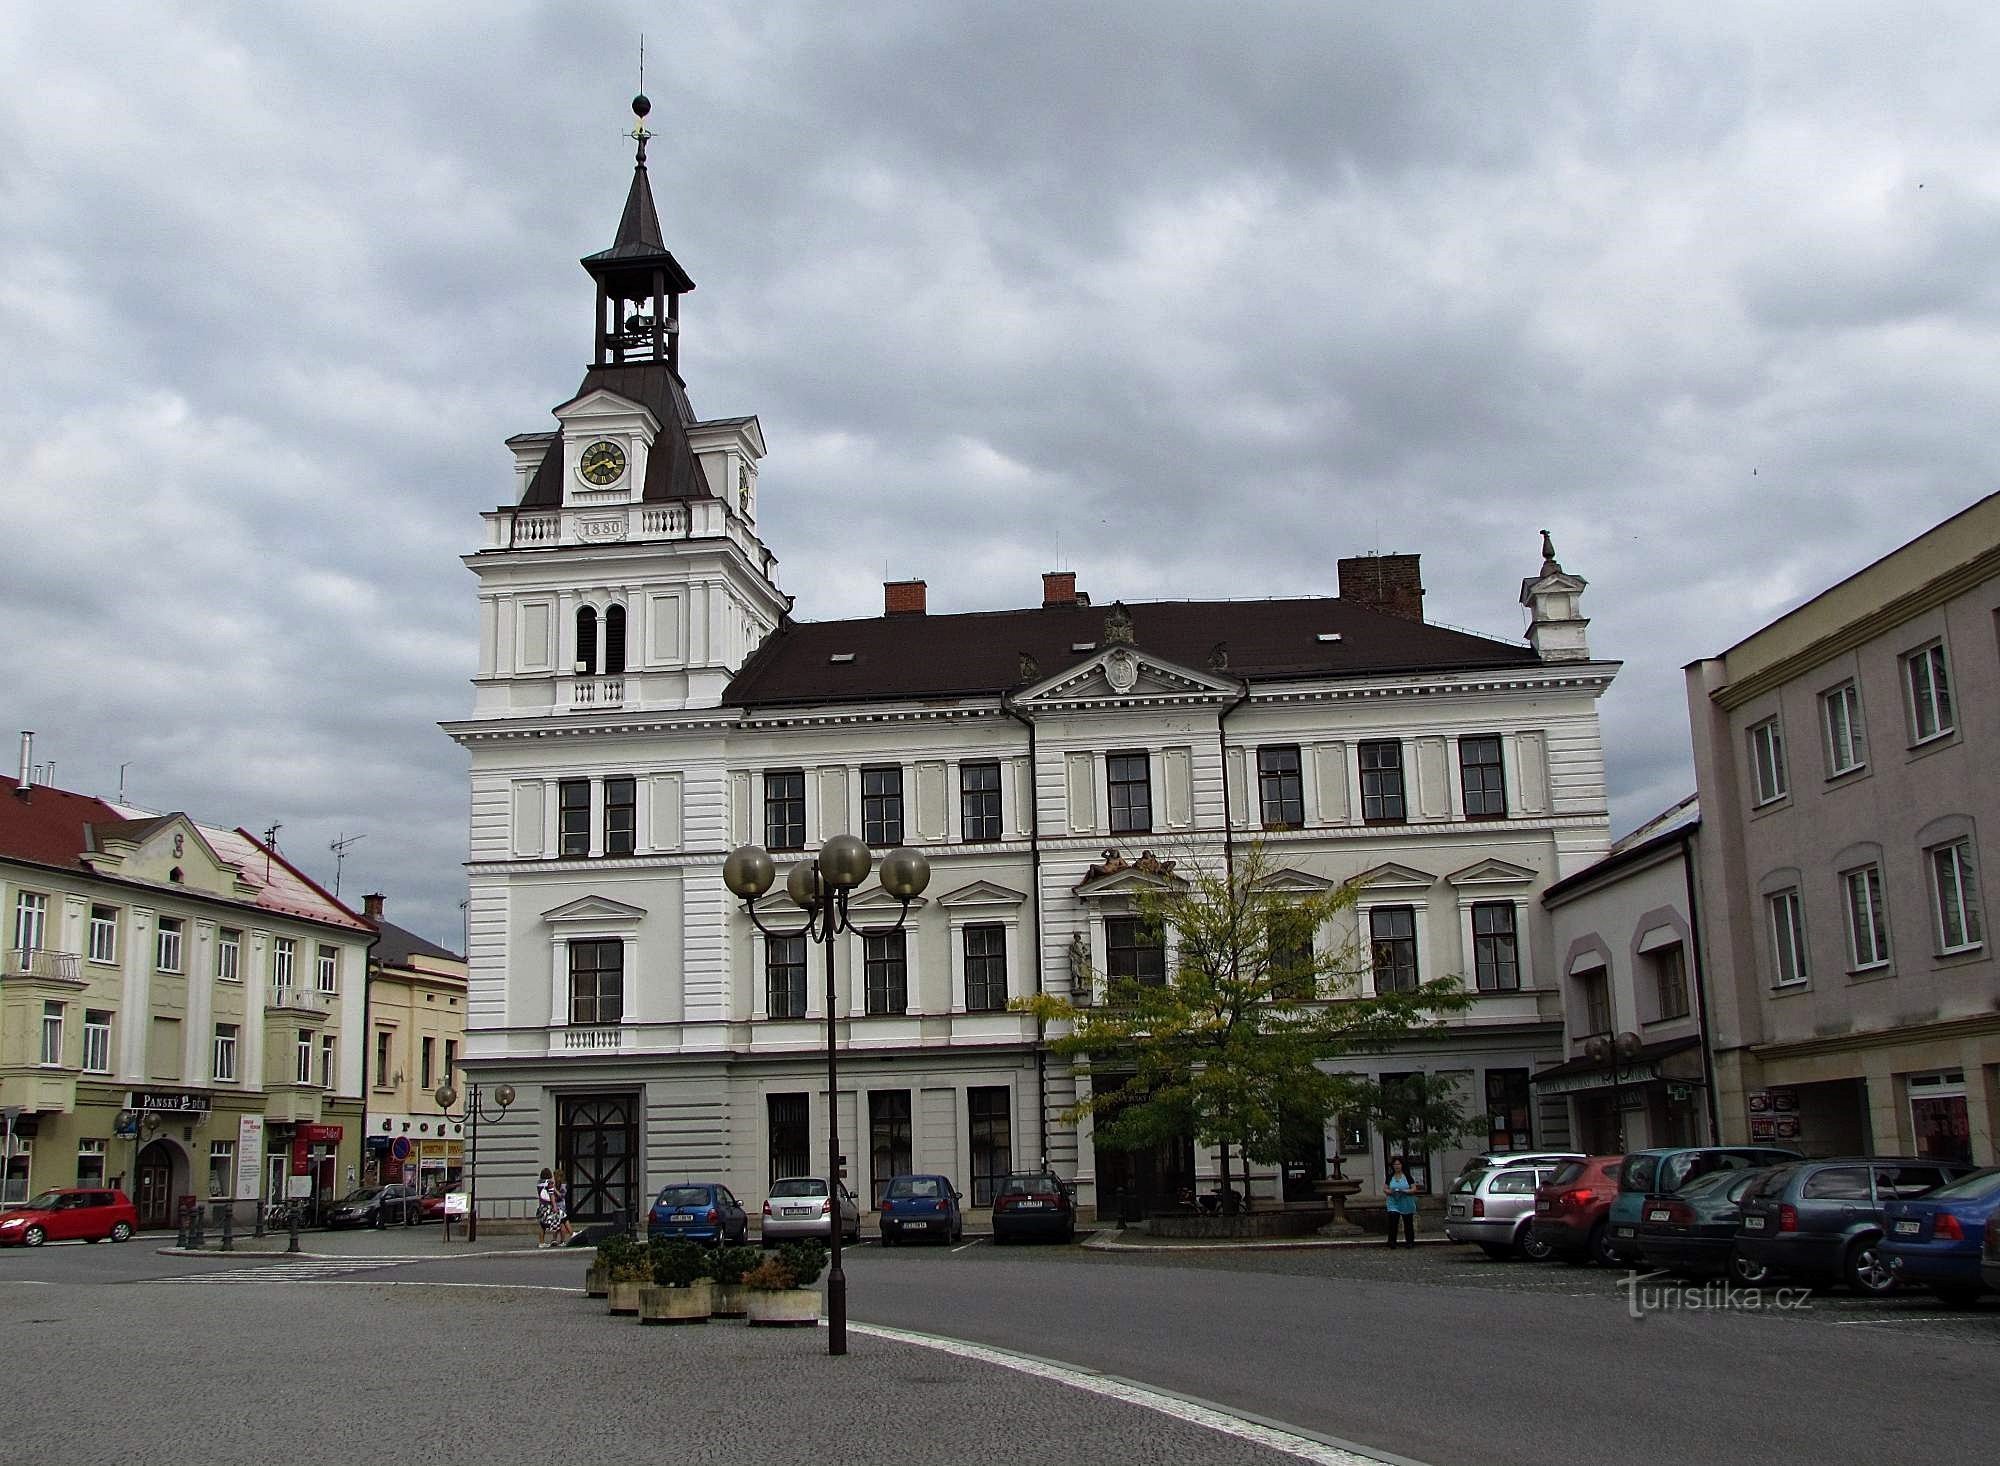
pixel 726 1267
pixel 628 1270
pixel 780 1287
pixel 679 1289
pixel 610 1252
pixel 807 1260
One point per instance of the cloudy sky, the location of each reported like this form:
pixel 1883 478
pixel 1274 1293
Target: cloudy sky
pixel 1191 301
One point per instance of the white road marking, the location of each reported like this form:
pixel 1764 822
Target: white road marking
pixel 1843 1323
pixel 973 1243
pixel 1302 1445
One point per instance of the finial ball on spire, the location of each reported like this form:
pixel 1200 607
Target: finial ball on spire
pixel 641 105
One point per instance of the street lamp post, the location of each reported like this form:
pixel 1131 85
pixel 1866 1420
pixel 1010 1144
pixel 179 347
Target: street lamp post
pixel 446 1097
pixel 820 887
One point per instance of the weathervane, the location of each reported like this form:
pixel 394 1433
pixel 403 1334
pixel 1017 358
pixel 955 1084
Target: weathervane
pixel 641 106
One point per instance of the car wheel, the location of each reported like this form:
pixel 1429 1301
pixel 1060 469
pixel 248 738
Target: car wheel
pixel 1867 1270
pixel 1747 1271
pixel 121 1231
pixel 1601 1251
pixel 1534 1246
pixel 34 1237
pixel 1498 1251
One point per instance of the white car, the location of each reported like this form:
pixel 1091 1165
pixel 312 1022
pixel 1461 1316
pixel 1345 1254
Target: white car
pixel 798 1207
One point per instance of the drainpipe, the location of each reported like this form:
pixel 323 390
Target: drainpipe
pixel 1222 752
pixel 1035 928
pixel 1701 992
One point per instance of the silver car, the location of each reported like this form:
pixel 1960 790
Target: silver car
pixel 798 1207
pixel 1496 1209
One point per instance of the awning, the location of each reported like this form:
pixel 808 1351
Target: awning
pixel 1645 1067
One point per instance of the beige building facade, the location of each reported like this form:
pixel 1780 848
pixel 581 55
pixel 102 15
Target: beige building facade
pixel 416 1033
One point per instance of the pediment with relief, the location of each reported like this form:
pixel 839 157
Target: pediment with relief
pixel 592 908
pixel 1492 873
pixel 1389 876
pixel 169 850
pixel 983 893
pixel 877 899
pixel 1290 880
pixel 1119 672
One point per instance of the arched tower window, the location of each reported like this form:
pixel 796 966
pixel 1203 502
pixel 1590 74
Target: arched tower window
pixel 586 640
pixel 614 641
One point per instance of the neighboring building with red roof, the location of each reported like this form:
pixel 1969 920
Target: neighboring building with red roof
pixel 178 1004
pixel 645 701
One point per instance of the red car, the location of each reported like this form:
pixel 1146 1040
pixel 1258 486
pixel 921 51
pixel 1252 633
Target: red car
pixel 1571 1210
pixel 81 1213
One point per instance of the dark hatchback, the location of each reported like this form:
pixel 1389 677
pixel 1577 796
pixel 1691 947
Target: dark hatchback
pixel 1694 1230
pixel 1935 1242
pixel 920 1206
pixel 375 1206
pixel 1822 1220
pixel 1033 1205
pixel 1664 1170
pixel 699 1211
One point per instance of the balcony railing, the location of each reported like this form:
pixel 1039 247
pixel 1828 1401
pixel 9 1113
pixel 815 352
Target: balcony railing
pixel 41 962
pixel 597 692
pixel 579 1040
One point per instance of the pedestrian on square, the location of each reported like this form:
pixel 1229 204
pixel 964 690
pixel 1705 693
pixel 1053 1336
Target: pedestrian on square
pixel 1402 1203
pixel 559 1211
pixel 545 1208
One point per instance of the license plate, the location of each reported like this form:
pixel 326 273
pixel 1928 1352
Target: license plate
pixel 800 1211
pixel 1658 1216
pixel 683 1216
pixel 1030 1205
pixel 916 1224
pixel 1753 1224
pixel 1542 1206
pixel 1625 1231
pixel 1909 1229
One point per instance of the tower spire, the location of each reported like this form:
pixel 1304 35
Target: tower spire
pixel 639 282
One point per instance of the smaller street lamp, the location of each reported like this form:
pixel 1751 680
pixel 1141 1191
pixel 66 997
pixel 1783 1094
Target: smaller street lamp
pixel 446 1097
pixel 820 886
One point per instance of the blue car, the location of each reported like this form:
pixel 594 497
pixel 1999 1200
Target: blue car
pixel 700 1211
pixel 1934 1242
pixel 921 1206
pixel 1666 1169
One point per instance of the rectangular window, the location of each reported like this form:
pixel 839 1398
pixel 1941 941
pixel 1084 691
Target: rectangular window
pixel 886 971
pixel 1955 893
pixel 1480 778
pixel 597 982
pixel 882 806
pixel 284 958
pixel 1509 1102
pixel 1767 761
pixel 1392 940
pixel 90 1163
pixel 790 1119
pixel 104 934
pixel 168 948
pixel 621 816
pixel 573 818
pixel 1382 782
pixel 427 1050
pixel 888 1137
pixel 1670 980
pixel 1788 938
pixel 785 979
pixel 1929 683
pixel 302 1070
pixel 979 800
pixel 1291 969
pixel 1496 960
pixel 1134 951
pixel 1280 788
pixel 326 969
pixel 1128 780
pixel 451 1062
pixel 96 1041
pixel 382 1079
pixel 221 1169
pixel 985 968
pixel 52 1035
pixel 31 919
pixel 225 1053
pixel 991 1133
pixel 1594 988
pixel 1867 922
pixel 328 1068
pixel 229 955
pixel 785 810
pixel 1846 739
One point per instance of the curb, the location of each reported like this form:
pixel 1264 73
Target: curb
pixel 356 1257
pixel 1099 1242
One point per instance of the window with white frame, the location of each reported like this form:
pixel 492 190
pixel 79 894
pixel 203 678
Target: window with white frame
pixel 1788 937
pixel 168 944
pixel 31 920
pixel 1767 761
pixel 221 1169
pixel 302 1069
pixel 284 963
pixel 882 806
pixel 1955 897
pixel 1496 959
pixel 1846 739
pixel 14 1187
pixel 885 970
pixel 979 801
pixel 1670 980
pixel 328 1060
pixel 1392 943
pixel 52 1033
pixel 90 1162
pixel 225 1053
pixel 229 955
pixel 326 968
pixel 985 946
pixel 785 976
pixel 104 934
pixel 96 1041
pixel 597 982
pixel 1867 921
pixel 1927 681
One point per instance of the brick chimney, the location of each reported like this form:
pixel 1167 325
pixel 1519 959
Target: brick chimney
pixel 902 598
pixel 371 906
pixel 1059 588
pixel 1387 583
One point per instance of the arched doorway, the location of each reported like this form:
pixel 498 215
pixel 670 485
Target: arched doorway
pixel 153 1184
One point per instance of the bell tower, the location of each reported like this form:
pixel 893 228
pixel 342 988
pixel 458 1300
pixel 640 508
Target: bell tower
pixel 639 282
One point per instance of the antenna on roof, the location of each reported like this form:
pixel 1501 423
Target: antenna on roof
pixel 339 849
pixel 270 844
pixel 121 780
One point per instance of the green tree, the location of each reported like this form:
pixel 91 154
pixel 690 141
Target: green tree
pixel 1230 1048
pixel 1416 1114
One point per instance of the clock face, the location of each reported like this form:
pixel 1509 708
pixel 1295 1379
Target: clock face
pixel 602 463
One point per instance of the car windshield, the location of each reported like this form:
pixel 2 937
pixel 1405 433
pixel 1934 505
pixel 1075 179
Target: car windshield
pixel 1976 1187
pixel 1031 1186
pixel 684 1196
pixel 904 1186
pixel 1715 1182
pixel 363 1193
pixel 45 1201
pixel 1569 1171
pixel 799 1186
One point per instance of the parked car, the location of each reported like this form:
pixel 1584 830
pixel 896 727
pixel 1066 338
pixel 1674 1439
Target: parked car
pixel 1496 1209
pixel 798 1206
pixel 1935 1242
pixel 430 1207
pixel 1487 1160
pixel 921 1206
pixel 85 1213
pixel 1823 1219
pixel 1989 1255
pixel 1694 1229
pixel 374 1206
pixel 1664 1170
pixel 1033 1204
pixel 1572 1206
pixel 700 1211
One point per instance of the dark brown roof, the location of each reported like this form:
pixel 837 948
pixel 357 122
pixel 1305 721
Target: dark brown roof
pixel 980 653
pixel 399 944
pixel 51 826
pixel 671 470
pixel 639 249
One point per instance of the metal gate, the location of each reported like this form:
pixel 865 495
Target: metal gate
pixel 597 1149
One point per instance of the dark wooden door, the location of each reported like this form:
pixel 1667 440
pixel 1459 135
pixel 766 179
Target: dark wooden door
pixel 155 1180
pixel 597 1150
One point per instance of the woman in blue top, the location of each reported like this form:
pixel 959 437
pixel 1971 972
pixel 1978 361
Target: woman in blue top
pixel 1402 1203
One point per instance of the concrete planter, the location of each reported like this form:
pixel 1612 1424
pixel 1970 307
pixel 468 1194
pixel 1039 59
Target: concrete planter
pixel 595 1283
pixel 732 1300
pixel 798 1307
pixel 659 1303
pixel 623 1297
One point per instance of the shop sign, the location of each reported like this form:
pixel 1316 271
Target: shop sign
pixel 249 1156
pixel 1774 1114
pixel 168 1102
pixel 1598 1079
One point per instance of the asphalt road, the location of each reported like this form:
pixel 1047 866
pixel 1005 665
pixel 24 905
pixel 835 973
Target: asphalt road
pixel 1439 1355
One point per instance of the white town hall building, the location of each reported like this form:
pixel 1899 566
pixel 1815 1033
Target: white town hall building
pixel 645 703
